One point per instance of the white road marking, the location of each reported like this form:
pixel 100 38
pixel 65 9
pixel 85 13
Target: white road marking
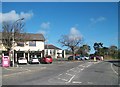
pixel 113 69
pixel 59 74
pixel 83 66
pixel 90 83
pixel 72 69
pixel 27 70
pixel 88 65
pixel 69 74
pixel 80 65
pixel 75 70
pixel 71 79
pixel 76 82
pixel 82 69
pixel 15 73
pixel 11 68
pixel 68 70
pixel 63 79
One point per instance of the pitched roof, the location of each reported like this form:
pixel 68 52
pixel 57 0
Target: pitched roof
pixel 31 36
pixel 50 46
pixel 35 36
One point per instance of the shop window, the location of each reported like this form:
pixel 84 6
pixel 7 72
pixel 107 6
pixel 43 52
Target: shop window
pixel 50 51
pixel 32 43
pixel 20 44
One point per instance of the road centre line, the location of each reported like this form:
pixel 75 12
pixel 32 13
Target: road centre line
pixel 113 69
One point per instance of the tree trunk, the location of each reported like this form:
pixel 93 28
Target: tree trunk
pixel 73 54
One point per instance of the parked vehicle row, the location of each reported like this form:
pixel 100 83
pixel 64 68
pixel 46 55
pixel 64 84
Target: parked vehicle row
pixel 47 59
pixel 78 58
pixel 85 57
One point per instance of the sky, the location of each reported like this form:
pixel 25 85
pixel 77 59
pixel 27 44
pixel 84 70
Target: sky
pixel 93 21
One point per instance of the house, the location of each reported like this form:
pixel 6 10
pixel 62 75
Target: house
pixel 32 47
pixel 54 51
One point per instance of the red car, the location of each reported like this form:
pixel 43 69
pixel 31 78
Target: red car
pixel 47 59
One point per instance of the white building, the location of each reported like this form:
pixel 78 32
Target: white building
pixel 32 47
pixel 54 51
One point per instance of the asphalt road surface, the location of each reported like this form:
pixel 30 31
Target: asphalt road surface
pixel 62 73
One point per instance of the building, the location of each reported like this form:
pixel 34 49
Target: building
pixel 54 51
pixel 32 47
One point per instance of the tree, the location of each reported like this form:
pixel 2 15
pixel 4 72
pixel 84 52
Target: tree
pixel 105 50
pixel 84 50
pixel 98 48
pixel 113 50
pixel 12 32
pixel 72 42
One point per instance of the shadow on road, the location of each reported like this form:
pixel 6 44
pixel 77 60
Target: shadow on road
pixel 115 62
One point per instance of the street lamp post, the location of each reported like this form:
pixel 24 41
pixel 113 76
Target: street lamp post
pixel 13 26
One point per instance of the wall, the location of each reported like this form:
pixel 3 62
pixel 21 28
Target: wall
pixel 53 53
pixel 39 46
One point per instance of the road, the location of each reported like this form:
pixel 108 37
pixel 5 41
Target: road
pixel 62 73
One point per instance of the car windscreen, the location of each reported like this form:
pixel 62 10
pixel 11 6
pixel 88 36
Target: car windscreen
pixel 48 57
pixel 21 58
pixel 34 58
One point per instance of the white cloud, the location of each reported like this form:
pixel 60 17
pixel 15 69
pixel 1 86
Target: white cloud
pixel 13 16
pixel 44 28
pixel 42 32
pixel 45 25
pixel 74 33
pixel 99 19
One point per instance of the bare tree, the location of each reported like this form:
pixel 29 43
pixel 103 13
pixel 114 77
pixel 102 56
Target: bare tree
pixel 12 30
pixel 72 42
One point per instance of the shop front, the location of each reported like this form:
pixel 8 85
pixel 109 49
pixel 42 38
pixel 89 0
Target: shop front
pixel 28 54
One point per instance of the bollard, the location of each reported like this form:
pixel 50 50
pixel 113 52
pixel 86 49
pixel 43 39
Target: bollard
pixel 94 58
pixel 102 58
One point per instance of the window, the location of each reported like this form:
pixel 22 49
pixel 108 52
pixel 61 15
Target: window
pixel 20 44
pixel 50 51
pixel 32 43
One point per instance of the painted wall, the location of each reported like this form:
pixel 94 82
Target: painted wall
pixel 39 46
pixel 55 53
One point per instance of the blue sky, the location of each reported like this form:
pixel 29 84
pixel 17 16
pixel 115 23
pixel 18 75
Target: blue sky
pixel 94 21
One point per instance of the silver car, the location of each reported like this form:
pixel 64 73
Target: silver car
pixel 34 60
pixel 22 60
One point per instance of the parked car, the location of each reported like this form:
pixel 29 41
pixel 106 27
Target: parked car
pixel 87 58
pixel 47 59
pixel 97 57
pixel 34 60
pixel 76 58
pixel 22 60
